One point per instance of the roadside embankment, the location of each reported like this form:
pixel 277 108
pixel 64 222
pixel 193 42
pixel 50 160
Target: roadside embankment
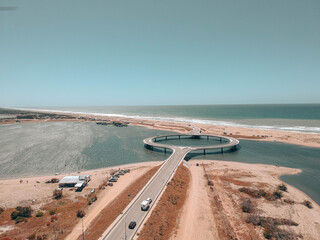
pixel 163 220
pixel 106 216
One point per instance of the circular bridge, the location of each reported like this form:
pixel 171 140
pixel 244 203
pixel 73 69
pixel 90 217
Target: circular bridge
pixel 226 142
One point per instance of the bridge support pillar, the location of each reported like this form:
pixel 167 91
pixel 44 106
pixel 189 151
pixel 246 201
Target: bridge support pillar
pixel 204 152
pixel 165 150
pixel 220 139
pixel 221 150
pixel 155 139
pixel 207 138
pixel 166 138
pixel 179 137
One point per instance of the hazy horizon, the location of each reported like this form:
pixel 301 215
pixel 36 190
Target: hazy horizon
pixel 158 105
pixel 108 53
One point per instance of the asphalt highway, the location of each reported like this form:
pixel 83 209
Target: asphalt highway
pixel 134 213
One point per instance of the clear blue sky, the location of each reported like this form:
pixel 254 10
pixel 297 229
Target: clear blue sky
pixel 82 53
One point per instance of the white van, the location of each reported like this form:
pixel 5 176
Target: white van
pixel 144 205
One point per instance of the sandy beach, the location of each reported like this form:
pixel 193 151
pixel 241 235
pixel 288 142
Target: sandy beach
pixel 298 138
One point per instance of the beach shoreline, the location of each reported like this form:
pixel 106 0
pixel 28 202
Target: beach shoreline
pixel 289 137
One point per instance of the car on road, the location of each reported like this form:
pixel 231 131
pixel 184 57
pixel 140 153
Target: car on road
pixel 132 225
pixel 145 205
pixel 149 200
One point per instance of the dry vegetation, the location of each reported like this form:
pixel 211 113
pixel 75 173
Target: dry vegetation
pixel 238 210
pixel 112 211
pixel 55 219
pixel 163 220
pixel 250 202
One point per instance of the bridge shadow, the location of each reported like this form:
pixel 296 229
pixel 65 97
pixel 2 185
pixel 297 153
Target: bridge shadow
pixel 212 152
pixel 158 150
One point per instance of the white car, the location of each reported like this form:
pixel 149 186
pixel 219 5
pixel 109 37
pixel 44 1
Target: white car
pixel 149 200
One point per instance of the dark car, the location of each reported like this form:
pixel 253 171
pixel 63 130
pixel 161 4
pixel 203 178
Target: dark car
pixel 132 225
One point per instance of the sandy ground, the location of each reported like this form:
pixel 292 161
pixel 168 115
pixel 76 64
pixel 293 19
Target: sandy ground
pixel 196 222
pixel 34 192
pixel 226 218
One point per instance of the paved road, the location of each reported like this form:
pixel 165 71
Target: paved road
pixel 119 229
pixel 152 190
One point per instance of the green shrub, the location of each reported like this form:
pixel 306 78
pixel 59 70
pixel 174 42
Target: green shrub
pixel 282 187
pixel 267 233
pixel 277 194
pixel 246 205
pixel 289 201
pixel 19 219
pixel 80 214
pixel 92 197
pixel 253 192
pixel 39 214
pixel 57 194
pixel 52 211
pixel 307 203
pixel 14 215
pixel 24 212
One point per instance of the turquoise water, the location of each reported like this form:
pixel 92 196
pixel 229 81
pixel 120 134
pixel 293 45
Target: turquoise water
pixel 289 117
pixel 287 155
pixel 46 148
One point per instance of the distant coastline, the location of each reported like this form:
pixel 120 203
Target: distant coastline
pixel 182 125
pixel 265 117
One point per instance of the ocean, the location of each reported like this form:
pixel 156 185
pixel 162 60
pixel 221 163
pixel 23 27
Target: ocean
pixel 287 117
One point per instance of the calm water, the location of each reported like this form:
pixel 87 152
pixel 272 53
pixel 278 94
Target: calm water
pixel 46 148
pixel 287 155
pixel 289 117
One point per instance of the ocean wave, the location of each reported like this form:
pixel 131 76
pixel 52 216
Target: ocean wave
pixel 303 129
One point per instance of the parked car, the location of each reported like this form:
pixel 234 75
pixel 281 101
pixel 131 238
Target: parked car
pixel 110 184
pixel 149 200
pixel 92 190
pixel 132 225
pixel 113 180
